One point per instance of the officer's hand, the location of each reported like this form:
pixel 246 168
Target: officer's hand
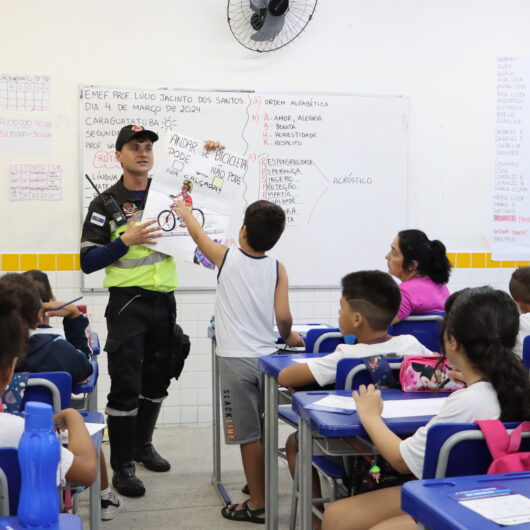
pixel 212 145
pixel 141 234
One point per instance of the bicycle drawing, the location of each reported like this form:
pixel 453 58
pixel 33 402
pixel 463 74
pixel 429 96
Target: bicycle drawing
pixel 167 219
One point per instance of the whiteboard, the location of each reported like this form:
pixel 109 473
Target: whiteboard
pixel 336 163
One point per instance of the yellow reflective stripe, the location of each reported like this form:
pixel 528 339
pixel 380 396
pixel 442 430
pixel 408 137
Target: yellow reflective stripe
pixel 132 263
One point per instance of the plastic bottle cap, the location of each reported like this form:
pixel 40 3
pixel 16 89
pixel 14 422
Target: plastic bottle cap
pixel 39 416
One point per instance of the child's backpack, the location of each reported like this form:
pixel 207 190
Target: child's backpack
pixel 11 400
pixel 504 447
pixel 426 373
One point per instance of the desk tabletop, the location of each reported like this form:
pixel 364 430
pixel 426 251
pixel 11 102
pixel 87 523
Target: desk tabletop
pixel 273 364
pixel 331 424
pixel 430 503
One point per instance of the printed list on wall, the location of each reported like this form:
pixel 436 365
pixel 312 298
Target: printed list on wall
pixel 335 163
pixel 511 200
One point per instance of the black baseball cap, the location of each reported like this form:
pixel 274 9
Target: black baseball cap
pixel 130 131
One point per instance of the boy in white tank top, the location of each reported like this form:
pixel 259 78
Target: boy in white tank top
pixel 252 289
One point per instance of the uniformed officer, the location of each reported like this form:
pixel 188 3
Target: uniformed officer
pixel 141 312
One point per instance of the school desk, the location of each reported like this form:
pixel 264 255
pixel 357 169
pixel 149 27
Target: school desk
pixel 431 504
pixel 314 423
pixel 271 366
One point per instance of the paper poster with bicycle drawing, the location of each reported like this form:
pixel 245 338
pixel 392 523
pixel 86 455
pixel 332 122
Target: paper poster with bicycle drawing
pixel 208 182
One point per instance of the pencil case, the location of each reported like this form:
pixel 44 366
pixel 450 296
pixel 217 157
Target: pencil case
pixel 426 373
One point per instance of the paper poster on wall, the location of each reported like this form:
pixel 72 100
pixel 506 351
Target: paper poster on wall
pixel 29 182
pixel 25 91
pixel 23 136
pixel 208 182
pixel 511 200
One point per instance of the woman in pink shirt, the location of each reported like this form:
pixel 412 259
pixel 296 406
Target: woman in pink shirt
pixel 423 268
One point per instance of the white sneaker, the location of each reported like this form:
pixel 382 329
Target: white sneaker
pixel 110 505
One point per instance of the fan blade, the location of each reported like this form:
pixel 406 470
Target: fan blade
pixel 270 30
pixel 256 5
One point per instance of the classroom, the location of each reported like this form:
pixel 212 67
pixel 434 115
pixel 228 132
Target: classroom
pixel 385 116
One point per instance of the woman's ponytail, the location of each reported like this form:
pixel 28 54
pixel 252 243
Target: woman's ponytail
pixel 440 268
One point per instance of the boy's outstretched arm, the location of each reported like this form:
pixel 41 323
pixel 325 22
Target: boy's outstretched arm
pixel 284 320
pixel 215 252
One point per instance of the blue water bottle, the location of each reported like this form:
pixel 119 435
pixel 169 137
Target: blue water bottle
pixel 38 455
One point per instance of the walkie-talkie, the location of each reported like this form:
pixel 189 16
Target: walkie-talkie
pixel 111 206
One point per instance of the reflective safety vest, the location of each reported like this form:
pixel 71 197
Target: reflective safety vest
pixel 141 267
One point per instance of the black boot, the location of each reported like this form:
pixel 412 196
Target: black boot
pixel 121 436
pixel 144 451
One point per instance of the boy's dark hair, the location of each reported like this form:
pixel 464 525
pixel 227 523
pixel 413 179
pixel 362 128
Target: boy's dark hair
pixel 41 281
pixel 430 255
pixel 265 222
pixel 27 297
pixel 13 331
pixel 374 294
pixel 485 322
pixel 520 285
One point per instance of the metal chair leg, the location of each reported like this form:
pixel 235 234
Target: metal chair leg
pixel 294 497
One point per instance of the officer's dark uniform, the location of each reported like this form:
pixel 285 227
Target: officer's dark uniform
pixel 140 318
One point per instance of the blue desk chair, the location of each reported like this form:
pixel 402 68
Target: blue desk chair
pixel 94 344
pixel 10 481
pixel 89 389
pixel 425 327
pixel 458 449
pixel 351 373
pixel 322 340
pixel 54 388
pixel 526 351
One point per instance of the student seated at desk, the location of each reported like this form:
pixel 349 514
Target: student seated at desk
pixel 252 288
pixel 479 334
pixel 369 302
pixel 78 462
pixel 74 322
pixel 423 268
pixel 51 353
pixel 45 352
pixel 520 291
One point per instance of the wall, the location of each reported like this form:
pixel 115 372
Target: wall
pixel 441 55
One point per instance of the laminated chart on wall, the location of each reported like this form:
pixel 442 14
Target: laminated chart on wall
pixel 31 182
pixel 336 164
pixel 27 92
pixel 511 200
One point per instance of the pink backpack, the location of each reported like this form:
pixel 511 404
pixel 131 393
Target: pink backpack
pixel 426 373
pixel 504 447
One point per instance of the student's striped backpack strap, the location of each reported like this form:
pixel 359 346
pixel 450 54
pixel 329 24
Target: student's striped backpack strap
pixel 504 447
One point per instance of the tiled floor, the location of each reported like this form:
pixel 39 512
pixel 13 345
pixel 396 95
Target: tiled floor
pixel 184 497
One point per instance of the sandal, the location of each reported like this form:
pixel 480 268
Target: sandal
pixel 243 514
